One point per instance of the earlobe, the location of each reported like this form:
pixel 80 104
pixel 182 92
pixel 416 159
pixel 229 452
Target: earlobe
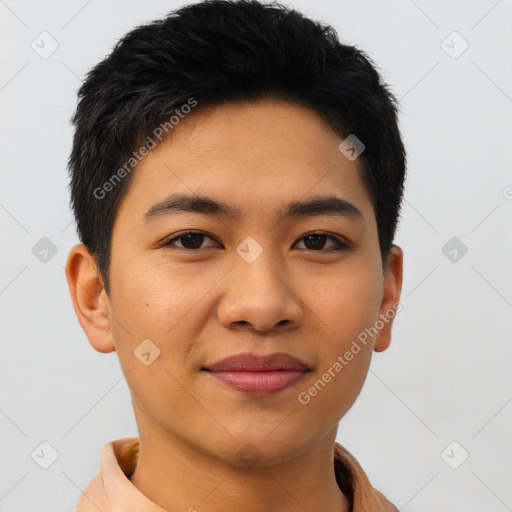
pixel 390 298
pixel 89 298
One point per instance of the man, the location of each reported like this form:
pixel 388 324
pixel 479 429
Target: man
pixel 236 177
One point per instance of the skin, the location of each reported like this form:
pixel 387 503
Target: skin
pixel 198 307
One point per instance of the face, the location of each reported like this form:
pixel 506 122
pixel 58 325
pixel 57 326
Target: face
pixel 254 277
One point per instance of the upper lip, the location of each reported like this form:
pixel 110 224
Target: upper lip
pixel 249 362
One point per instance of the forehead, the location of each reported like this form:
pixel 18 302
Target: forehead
pixel 259 154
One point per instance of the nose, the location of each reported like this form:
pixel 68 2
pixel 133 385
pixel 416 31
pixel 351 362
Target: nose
pixel 260 296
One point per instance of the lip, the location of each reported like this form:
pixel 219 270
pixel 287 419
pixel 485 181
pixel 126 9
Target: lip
pixel 259 374
pixel 260 383
pixel 250 362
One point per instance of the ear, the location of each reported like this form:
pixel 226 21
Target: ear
pixel 90 300
pixel 390 297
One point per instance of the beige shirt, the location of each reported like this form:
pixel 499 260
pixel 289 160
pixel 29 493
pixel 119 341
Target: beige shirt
pixel 111 490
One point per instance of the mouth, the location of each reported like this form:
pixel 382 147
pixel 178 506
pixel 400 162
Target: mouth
pixel 259 374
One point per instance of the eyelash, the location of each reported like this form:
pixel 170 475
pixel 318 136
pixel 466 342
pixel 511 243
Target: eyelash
pixel 341 245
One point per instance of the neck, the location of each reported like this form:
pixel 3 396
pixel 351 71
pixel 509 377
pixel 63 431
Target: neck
pixel 178 476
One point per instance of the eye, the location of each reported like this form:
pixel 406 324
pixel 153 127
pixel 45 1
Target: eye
pixel 190 240
pixel 316 242
pixel 193 240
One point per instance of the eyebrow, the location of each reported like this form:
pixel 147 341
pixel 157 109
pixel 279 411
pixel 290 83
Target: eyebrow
pixel 321 205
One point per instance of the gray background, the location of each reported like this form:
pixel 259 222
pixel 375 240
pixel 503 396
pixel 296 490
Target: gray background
pixel 446 376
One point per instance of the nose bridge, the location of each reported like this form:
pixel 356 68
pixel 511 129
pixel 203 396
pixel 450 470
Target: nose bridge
pixel 259 267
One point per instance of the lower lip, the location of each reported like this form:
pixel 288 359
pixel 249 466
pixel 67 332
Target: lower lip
pixel 259 383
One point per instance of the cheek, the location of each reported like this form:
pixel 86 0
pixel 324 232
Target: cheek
pixel 166 305
pixel 157 305
pixel 345 306
pixel 153 296
pixel 344 355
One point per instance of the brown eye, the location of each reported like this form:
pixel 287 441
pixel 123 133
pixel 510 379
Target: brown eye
pixel 317 241
pixel 191 240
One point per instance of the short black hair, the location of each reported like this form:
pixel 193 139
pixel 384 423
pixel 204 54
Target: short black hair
pixel 210 53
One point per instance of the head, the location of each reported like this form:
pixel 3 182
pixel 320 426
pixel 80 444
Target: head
pixel 226 119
